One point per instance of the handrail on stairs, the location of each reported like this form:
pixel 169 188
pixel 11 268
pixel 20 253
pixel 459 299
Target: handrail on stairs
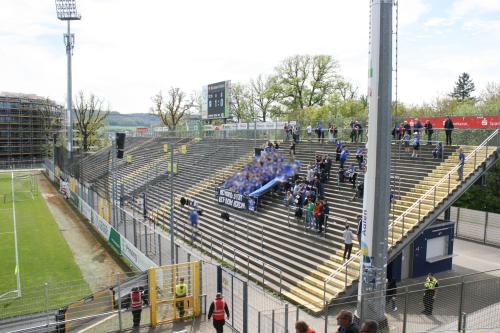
pixel 434 188
pixel 472 154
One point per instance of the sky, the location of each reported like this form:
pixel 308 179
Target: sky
pixel 127 51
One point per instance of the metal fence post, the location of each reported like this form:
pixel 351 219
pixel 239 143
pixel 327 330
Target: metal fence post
pixel 461 305
pixel 272 320
pixel 297 314
pixel 245 307
pixel 119 303
pixel 464 322
pixel 258 322
pixel 232 300
pixel 46 295
pixel 159 249
pixel 485 227
pixel 135 232
pixel 405 310
pixel 286 318
pixel 146 240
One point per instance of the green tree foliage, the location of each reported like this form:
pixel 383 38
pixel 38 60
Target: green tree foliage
pixel 304 81
pixel 265 93
pixel 485 198
pixel 464 88
pixel 171 108
pixel 90 117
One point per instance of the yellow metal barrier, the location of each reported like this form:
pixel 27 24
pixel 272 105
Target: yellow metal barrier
pixel 166 305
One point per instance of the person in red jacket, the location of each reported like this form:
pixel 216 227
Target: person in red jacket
pixel 136 305
pixel 302 327
pixel 217 309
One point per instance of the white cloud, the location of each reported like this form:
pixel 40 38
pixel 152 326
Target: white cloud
pixel 127 50
pixel 466 7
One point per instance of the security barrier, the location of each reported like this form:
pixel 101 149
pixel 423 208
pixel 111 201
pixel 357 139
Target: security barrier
pixel 174 292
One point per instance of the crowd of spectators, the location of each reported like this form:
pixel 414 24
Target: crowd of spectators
pixel 264 168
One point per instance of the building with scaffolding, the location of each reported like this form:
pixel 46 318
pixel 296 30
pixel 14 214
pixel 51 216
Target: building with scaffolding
pixel 27 125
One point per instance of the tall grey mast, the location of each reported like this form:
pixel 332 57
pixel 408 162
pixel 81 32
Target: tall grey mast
pixel 376 201
pixel 66 11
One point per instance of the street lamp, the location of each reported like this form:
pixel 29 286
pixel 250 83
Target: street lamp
pixel 66 11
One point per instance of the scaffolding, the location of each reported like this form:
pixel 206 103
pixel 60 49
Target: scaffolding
pixel 27 125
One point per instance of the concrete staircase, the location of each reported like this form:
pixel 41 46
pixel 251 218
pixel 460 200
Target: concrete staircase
pixel 270 245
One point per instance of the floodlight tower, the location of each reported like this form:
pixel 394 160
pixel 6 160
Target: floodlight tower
pixel 66 11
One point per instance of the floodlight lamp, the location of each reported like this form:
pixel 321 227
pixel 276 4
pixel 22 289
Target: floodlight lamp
pixel 66 10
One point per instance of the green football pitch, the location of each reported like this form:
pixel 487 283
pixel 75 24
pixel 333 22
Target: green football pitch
pixel 44 256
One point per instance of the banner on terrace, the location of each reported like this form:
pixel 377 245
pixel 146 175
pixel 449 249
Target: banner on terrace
pixel 231 199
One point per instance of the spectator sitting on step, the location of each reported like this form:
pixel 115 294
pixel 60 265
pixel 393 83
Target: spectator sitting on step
pixel 359 192
pixel 352 174
pixel 437 152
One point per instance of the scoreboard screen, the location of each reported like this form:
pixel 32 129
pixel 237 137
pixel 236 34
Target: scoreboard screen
pixel 216 100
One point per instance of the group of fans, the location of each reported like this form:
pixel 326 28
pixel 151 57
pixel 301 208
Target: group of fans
pixel 264 168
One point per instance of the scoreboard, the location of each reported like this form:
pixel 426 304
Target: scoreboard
pixel 216 100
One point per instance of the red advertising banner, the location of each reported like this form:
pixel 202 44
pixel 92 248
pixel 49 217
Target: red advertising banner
pixel 142 129
pixel 459 121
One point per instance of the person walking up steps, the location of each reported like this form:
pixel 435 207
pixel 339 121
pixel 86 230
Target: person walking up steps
pixel 347 242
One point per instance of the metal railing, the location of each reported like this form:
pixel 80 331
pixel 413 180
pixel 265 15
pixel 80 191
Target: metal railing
pixel 432 191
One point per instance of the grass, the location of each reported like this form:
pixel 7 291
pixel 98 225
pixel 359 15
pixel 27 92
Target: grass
pixel 44 255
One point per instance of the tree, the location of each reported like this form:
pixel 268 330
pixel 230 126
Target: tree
pixel 305 81
pixel 463 88
pixel 239 101
pixel 265 93
pixel 50 122
pixel 172 108
pixel 90 117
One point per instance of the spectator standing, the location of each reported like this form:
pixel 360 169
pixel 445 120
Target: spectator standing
pixel 193 217
pixel 326 214
pixel 302 327
pixel 319 131
pixel 309 214
pixel 343 157
pixel 359 131
pixel 338 150
pixel 292 149
pixel 407 128
pixel 136 306
pixel 360 157
pixel 429 131
pixel 448 128
pixel 217 309
pixel 317 213
pixel 360 229
pixel 328 166
pixel 416 145
pixel 369 326
pixel 431 283
pixel 332 133
pixel 287 133
pixel 309 132
pixel 346 325
pixel 461 162
pixel 347 242
pixel 406 142
pixel 391 293
pixel 417 127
